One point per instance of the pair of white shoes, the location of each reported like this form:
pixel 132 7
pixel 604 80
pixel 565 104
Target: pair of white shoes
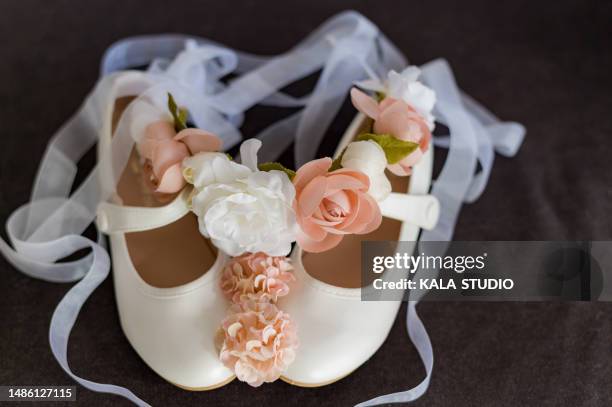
pixel 166 277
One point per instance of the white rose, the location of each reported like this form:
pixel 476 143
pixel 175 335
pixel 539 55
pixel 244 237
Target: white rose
pixel 253 214
pixel 369 158
pixel 406 87
pixel 240 208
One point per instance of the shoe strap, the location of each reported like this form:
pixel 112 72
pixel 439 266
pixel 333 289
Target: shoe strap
pixel 115 218
pixel 420 210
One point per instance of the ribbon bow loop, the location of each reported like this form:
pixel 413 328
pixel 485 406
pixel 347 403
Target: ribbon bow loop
pixel 194 77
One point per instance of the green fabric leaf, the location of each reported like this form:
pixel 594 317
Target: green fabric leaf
pixel 337 163
pixel 182 117
pixel 277 167
pixel 394 148
pixel 179 115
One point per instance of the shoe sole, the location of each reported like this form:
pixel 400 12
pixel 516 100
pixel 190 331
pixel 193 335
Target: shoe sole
pixel 307 385
pixel 206 388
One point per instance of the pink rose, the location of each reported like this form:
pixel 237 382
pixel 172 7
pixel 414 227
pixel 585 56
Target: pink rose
pixel 329 205
pixel 258 341
pixel 255 273
pixel 399 119
pixel 163 150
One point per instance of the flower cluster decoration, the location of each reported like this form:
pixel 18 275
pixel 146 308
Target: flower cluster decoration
pixel 257 274
pixel 252 207
pixel 257 340
pixel 256 211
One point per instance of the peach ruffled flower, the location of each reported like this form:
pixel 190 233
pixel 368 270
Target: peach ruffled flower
pixel 258 341
pixel 164 150
pixel 399 119
pixel 329 205
pixel 255 273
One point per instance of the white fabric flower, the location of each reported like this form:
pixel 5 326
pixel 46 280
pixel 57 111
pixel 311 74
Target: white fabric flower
pixel 240 208
pixel 209 168
pixel 369 158
pixel 406 86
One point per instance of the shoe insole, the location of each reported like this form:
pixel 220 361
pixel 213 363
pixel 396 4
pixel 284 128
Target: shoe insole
pixel 341 266
pixel 171 255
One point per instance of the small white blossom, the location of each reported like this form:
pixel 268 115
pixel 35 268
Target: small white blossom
pixel 369 158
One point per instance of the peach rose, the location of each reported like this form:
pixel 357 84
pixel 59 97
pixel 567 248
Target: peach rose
pixel 255 273
pixel 164 150
pixel 258 341
pixel 399 119
pixel 329 205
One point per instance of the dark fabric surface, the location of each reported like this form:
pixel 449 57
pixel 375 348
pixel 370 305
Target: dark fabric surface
pixel 545 64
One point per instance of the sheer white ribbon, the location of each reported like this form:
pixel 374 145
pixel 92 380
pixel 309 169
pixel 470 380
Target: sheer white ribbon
pixel 475 134
pixel 347 48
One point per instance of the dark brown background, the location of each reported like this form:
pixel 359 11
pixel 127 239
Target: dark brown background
pixel 545 64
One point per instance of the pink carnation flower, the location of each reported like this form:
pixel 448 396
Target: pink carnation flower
pixel 256 273
pixel 258 341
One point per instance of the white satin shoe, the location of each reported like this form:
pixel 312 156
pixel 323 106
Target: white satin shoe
pixel 338 331
pixel 166 281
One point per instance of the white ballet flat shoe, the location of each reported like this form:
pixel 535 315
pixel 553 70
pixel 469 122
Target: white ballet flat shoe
pixel 338 331
pixel 166 278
